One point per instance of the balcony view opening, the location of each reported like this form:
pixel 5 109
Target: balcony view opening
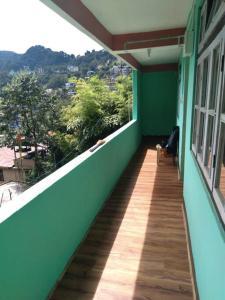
pixel 58 96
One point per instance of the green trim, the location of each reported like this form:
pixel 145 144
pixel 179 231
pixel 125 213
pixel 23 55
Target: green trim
pixel 136 76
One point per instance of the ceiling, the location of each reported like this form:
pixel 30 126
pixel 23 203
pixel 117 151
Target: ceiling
pixel 158 55
pixel 142 32
pixel 127 16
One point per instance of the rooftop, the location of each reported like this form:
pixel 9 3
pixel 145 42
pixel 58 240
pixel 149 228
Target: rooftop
pixel 7 156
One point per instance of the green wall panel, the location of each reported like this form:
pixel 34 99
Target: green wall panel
pixel 207 234
pixel 136 78
pixel 38 240
pixel 182 110
pixel 159 101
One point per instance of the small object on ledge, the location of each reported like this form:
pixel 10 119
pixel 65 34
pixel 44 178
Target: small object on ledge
pixel 159 148
pixel 98 144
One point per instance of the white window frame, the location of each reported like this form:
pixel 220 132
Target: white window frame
pixel 219 198
pixel 218 131
pixel 207 29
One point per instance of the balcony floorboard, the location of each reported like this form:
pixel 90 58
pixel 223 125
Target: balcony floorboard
pixel 137 247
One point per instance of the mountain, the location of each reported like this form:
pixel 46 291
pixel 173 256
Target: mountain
pixel 8 59
pixel 39 57
pixel 54 68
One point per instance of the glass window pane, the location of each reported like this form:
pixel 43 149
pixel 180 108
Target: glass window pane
pixel 214 8
pixel 194 134
pixel 204 83
pixel 201 27
pixel 222 173
pixel 203 22
pixel 198 85
pixel 215 78
pixel 209 145
pixel 201 134
pixel 223 103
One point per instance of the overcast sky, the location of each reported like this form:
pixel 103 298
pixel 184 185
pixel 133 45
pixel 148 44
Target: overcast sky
pixel 25 23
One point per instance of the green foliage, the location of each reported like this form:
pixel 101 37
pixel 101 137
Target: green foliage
pixel 66 128
pixel 62 147
pixel 96 111
pixel 22 97
pixel 27 110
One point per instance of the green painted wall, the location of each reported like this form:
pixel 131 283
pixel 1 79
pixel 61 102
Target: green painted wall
pixel 207 235
pixel 182 110
pixel 158 102
pixel 38 240
pixel 136 79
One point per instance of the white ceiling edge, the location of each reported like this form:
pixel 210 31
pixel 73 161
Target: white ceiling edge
pixel 132 16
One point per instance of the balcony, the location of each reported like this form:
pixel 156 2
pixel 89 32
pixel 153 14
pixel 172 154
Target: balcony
pixel 41 229
pixel 125 237
pixel 137 247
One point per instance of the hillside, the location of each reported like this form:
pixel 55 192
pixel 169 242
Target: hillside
pixel 55 67
pixel 38 57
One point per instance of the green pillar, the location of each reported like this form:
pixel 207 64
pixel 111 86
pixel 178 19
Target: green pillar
pixel 136 76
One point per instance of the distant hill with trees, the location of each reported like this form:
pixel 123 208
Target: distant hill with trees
pixel 55 67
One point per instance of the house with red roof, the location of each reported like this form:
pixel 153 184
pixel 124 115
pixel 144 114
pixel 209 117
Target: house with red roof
pixel 14 164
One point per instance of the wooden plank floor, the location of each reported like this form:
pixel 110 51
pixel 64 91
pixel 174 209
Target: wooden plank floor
pixel 137 247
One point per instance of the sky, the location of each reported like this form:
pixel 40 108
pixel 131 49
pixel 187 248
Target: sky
pixel 26 23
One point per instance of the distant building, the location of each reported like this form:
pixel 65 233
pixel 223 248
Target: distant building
pixel 40 71
pixel 71 93
pixel 72 68
pixel 69 85
pixel 115 70
pixel 120 70
pixel 12 166
pixel 49 91
pixel 126 70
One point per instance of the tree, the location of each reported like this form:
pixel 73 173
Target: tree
pixel 96 111
pixel 27 110
pixel 123 87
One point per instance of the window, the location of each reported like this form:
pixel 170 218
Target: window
pixel 203 21
pixel 213 7
pixel 212 12
pixel 208 134
pixel 219 188
pixel 1 175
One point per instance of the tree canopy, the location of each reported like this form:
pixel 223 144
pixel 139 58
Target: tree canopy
pixel 27 110
pixel 65 128
pixel 96 111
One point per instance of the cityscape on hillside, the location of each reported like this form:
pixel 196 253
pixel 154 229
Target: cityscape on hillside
pixel 54 68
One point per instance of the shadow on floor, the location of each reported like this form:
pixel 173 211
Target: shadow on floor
pixel 82 278
pixel 136 250
pixel 164 272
